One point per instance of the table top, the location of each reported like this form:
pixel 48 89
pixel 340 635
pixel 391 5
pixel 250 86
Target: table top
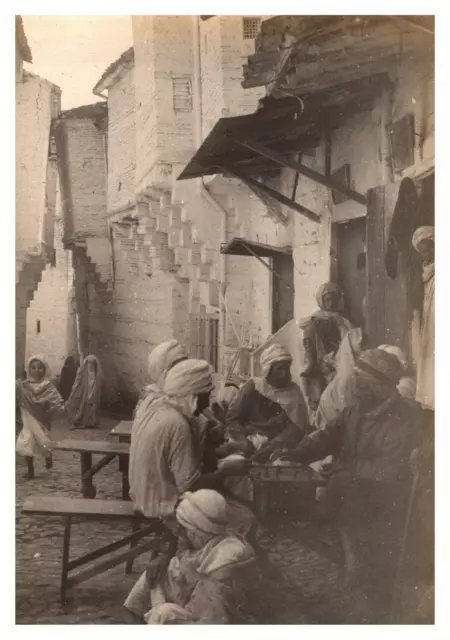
pixel 90 446
pixel 122 429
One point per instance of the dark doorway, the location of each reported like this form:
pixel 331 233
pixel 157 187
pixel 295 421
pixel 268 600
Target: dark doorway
pixel 351 240
pixel 282 291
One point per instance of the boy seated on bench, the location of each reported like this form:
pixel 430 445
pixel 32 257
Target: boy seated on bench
pixel 210 578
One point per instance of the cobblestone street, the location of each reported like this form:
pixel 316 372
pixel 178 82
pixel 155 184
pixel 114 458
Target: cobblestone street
pixel 305 577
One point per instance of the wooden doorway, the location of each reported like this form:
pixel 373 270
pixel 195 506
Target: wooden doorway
pixel 351 266
pixel 282 291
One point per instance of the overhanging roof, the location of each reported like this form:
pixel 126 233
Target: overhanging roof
pixel 287 125
pixel 238 247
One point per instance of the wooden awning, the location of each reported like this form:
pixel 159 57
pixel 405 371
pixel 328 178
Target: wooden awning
pixel 260 144
pixel 244 247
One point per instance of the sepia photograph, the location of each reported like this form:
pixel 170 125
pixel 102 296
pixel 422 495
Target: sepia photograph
pixel 225 319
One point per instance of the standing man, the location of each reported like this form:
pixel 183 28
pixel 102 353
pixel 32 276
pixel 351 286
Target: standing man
pixel 423 243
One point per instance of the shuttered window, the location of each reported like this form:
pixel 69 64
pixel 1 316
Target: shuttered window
pixel 182 94
pixel 251 28
pixel 205 338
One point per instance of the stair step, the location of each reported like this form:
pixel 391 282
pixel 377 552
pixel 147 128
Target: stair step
pixel 156 238
pixel 207 255
pixel 185 235
pixel 195 254
pixel 203 273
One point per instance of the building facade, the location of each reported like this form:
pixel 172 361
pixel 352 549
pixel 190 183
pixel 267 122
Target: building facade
pixel 37 104
pixel 186 229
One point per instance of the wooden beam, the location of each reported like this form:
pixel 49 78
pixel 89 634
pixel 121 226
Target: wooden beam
pixel 251 182
pixel 300 168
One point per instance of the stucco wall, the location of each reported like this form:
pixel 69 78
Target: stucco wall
pixel 37 101
pixel 121 142
pixel 51 307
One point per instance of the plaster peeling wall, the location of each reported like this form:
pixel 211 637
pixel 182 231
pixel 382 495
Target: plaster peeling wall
pixel 37 101
pixel 122 142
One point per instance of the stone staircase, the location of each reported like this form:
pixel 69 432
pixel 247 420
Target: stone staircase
pixel 99 254
pixel 29 269
pixel 161 236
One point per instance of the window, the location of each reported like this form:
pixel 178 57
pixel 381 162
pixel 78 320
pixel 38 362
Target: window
pixel 205 338
pixel 182 94
pixel 251 28
pixel 38 326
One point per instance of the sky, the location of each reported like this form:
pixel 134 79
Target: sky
pixel 74 51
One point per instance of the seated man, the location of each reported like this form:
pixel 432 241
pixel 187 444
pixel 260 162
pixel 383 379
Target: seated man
pixel 270 408
pixel 208 580
pixel 169 458
pixel 372 442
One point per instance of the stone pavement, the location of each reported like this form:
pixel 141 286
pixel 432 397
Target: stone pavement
pixel 304 582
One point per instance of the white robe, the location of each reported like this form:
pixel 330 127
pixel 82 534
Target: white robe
pixel 425 366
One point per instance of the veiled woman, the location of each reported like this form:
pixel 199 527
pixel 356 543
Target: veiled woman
pixel 323 333
pixel 83 405
pixel 37 401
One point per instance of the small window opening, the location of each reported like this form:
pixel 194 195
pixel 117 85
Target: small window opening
pixel 251 28
pixel 38 326
pixel 182 94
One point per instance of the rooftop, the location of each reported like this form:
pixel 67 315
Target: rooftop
pixel 22 42
pixel 112 72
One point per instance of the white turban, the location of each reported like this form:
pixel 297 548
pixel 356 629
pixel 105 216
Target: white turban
pixel 162 358
pixel 274 353
pixel 203 512
pixel 422 233
pixel 189 377
pixel 397 352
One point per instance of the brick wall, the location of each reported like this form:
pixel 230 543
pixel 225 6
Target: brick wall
pixel 86 156
pixel 121 142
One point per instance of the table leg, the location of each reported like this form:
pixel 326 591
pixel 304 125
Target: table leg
pixel 87 486
pixel 66 556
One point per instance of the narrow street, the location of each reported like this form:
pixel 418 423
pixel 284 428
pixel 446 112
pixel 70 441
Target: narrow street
pixel 304 583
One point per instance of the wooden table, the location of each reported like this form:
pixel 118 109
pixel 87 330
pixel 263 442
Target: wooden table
pixel 122 431
pixel 109 451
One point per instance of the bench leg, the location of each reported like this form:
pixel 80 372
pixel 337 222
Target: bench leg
pixel 65 557
pixel 123 466
pixel 129 564
pixel 261 500
pixel 87 486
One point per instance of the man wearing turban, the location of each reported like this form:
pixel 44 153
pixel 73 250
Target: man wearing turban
pixel 371 442
pixel 423 243
pixel 209 579
pixel 323 333
pixel 270 407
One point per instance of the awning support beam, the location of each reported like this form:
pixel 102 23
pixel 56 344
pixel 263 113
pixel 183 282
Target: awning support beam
pixel 251 182
pixel 255 255
pixel 300 168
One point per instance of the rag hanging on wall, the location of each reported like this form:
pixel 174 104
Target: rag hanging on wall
pixel 402 227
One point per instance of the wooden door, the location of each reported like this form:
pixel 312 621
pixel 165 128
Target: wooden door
pixel 282 291
pixel 391 265
pixel 351 263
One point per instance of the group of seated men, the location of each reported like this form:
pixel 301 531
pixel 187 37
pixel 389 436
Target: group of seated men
pixel 191 474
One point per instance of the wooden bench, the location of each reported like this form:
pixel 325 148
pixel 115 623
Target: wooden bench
pixel 100 510
pixel 109 451
pixel 122 431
